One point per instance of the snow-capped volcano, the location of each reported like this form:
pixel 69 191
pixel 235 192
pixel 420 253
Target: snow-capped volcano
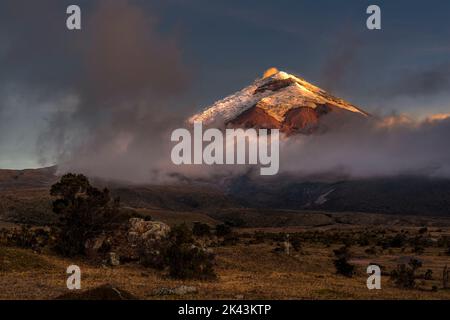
pixel 279 100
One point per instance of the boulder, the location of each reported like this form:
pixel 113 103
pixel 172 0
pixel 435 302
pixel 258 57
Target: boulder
pixel 141 230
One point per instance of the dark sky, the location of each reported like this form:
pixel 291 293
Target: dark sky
pixel 220 47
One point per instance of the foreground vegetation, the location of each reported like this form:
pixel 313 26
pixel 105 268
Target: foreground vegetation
pixel 206 258
pixel 248 264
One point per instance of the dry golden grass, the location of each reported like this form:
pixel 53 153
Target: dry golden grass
pixel 174 217
pixel 251 271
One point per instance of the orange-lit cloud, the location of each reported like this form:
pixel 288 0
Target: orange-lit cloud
pixel 396 120
pixel 438 117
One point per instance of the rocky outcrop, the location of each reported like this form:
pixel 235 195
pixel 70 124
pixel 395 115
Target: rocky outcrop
pixel 255 118
pixel 146 231
pixel 303 120
pixel 300 120
pixel 275 85
pixel 129 242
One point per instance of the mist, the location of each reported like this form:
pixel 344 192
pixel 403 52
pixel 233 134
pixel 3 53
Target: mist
pixel 125 98
pixel 389 146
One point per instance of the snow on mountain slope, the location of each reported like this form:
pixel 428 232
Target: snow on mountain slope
pixel 275 95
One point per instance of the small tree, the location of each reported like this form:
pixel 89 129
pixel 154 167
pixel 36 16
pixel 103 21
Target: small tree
pixel 83 211
pixel 341 262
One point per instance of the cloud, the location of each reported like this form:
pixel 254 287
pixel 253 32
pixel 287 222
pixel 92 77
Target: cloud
pixel 340 62
pixel 112 94
pixel 381 147
pixel 128 77
pixel 425 82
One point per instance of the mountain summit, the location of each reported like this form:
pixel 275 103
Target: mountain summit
pixel 278 100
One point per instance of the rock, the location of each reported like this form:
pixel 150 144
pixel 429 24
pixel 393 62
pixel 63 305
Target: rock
pixel 183 290
pixel 147 230
pixel 179 291
pixel 146 238
pixel 129 242
pixel 163 292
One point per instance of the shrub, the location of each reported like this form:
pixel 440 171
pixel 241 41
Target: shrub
pixel 181 234
pixel 154 257
pixel 278 248
pixel 35 239
pixel 201 229
pixel 418 249
pixel 230 240
pixel 428 275
pixel 186 260
pixel 296 243
pixel 258 237
pixel 190 262
pixel 398 241
pixel 371 250
pixel 223 230
pixel 404 275
pixel 341 262
pixel 235 222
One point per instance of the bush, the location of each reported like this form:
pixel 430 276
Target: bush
pixel 154 257
pixel 201 229
pixel 190 262
pixel 398 241
pixel 181 234
pixel 235 222
pixel 296 244
pixel 341 262
pixel 230 240
pixel 186 260
pixel 26 237
pixel 223 230
pixel 418 249
pixel 428 275
pixel 404 275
